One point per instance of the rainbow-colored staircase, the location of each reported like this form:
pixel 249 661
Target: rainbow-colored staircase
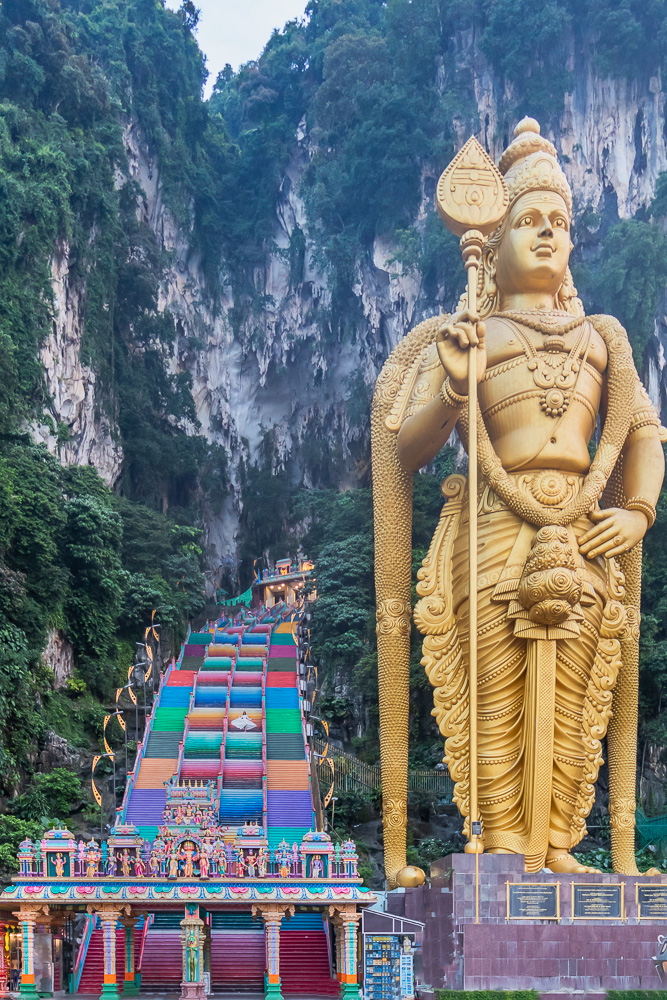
pixel 229 711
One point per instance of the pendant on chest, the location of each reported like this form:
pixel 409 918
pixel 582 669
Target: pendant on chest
pixel 555 371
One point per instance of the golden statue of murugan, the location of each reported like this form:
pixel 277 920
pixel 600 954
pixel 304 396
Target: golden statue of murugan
pixel 560 533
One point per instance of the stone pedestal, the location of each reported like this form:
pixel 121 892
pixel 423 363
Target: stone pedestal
pixel 193 991
pixel 556 957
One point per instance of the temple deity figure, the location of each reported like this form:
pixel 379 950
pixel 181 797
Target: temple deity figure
pixel 92 859
pixel 111 864
pixel 188 854
pixel 559 538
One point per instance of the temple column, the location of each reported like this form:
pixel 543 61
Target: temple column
pixel 27 917
pixel 349 920
pixel 130 985
pixel 272 915
pixel 192 941
pixel 109 917
pixel 338 938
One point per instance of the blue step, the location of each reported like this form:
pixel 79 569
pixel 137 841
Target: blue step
pixel 282 697
pixel 237 806
pixel 245 697
pixel 175 697
pixel 206 696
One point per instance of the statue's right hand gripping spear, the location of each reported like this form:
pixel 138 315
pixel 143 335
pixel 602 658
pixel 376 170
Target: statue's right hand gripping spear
pixel 472 200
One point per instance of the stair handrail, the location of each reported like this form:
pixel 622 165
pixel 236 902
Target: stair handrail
pixel 83 951
pixel 225 727
pixel 147 925
pixel 264 768
pixel 327 934
pixel 181 746
pixel 306 746
pixel 223 745
pixel 142 746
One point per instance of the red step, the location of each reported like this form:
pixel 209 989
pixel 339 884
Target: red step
pixel 92 977
pixel 304 964
pixel 281 679
pixel 238 960
pixel 162 963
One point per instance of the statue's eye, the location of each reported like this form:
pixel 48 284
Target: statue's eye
pixel 526 221
pixel 560 223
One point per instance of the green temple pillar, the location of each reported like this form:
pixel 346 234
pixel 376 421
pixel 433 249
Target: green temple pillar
pixel 192 940
pixel 130 984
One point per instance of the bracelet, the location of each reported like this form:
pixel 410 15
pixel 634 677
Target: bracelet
pixel 451 398
pixel 645 506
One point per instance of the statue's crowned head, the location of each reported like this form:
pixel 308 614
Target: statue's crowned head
pixel 530 249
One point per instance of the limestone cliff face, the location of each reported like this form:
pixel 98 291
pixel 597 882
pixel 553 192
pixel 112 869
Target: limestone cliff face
pixel 88 437
pixel 280 371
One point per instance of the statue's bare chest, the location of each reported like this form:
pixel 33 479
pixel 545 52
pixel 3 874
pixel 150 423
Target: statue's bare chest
pixel 543 373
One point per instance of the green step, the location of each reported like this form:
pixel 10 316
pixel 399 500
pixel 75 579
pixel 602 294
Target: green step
pixel 191 663
pixel 239 921
pixel 282 639
pixel 281 665
pixel 289 833
pixel 217 663
pixel 166 921
pixel 283 720
pixel 148 832
pixel 243 749
pixel 170 720
pixel 200 639
pixel 200 741
pixel 250 663
pixel 163 744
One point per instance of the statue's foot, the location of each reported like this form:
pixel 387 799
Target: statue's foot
pixel 567 864
pixel 499 850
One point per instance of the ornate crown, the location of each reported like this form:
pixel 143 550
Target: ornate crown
pixel 530 163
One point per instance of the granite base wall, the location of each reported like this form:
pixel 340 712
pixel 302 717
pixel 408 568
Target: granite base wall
pixel 561 958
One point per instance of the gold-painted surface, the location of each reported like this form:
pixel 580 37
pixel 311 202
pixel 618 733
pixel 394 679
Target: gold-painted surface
pixel 557 628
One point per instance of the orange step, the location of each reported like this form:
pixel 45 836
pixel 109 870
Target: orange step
pixel 155 770
pixel 287 775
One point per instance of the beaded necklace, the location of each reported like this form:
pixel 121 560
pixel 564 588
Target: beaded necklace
pixel 548 323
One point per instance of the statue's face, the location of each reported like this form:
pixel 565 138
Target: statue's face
pixel 535 248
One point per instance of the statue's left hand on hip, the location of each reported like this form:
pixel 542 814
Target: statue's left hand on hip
pixel 614 532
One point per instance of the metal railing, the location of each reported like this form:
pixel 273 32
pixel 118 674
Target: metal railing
pixel 352 775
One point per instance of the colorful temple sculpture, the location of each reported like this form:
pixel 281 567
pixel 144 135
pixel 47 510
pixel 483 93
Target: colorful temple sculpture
pixel 214 877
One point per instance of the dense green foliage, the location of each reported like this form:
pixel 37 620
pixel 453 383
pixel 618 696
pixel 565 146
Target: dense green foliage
pixel 70 560
pixel 487 994
pixel 634 994
pixel 340 539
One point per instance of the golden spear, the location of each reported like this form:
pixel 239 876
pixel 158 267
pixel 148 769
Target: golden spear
pixel 472 201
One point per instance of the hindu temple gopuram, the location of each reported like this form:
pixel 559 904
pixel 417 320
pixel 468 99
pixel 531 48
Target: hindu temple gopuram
pixel 215 875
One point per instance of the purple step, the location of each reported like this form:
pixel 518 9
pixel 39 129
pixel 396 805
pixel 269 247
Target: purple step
pixel 146 806
pixel 289 808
